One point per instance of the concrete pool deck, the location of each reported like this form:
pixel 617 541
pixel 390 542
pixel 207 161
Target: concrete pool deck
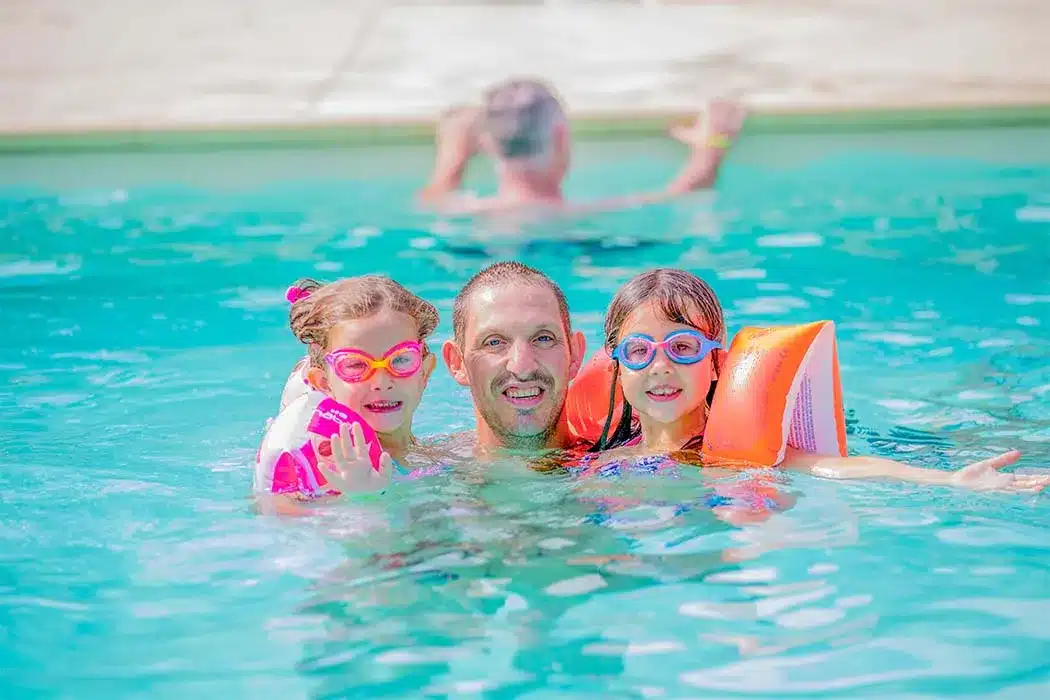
pixel 136 66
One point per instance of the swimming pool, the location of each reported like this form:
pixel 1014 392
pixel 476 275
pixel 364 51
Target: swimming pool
pixel 145 344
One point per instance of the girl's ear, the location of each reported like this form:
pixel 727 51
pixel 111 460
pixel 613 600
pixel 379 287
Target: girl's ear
pixel 429 363
pixel 317 378
pixel 718 361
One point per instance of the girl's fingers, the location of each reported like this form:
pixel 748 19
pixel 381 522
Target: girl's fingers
pixel 1004 460
pixel 345 451
pixel 382 476
pixel 360 449
pixel 991 464
pixel 333 477
pixel 386 466
pixel 1030 485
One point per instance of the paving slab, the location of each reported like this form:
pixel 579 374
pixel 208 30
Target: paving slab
pixel 73 66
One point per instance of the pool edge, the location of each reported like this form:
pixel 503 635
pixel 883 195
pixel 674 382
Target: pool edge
pixel 594 125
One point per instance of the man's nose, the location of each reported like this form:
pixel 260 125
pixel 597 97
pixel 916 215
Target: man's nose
pixel 522 359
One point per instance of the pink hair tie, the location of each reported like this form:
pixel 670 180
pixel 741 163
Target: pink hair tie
pixel 294 294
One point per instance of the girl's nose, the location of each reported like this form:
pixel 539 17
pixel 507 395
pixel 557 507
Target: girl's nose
pixel 382 381
pixel 660 364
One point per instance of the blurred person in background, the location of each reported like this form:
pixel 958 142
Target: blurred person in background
pixel 522 126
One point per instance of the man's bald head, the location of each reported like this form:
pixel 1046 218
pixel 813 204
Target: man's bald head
pixel 520 117
pixel 497 275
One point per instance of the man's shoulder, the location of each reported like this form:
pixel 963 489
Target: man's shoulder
pixel 452 445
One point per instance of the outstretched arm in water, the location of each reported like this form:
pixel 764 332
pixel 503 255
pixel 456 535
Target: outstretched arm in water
pixel 980 476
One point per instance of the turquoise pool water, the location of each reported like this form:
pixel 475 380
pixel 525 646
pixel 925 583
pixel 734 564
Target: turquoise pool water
pixel 144 345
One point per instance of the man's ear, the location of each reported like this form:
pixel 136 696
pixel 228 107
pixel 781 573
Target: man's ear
pixel 577 351
pixel 317 378
pixel 453 357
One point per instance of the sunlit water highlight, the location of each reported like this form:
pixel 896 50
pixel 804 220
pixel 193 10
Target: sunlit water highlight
pixel 144 346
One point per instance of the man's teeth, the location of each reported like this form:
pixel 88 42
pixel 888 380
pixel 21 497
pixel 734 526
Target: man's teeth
pixel 523 393
pixel 663 391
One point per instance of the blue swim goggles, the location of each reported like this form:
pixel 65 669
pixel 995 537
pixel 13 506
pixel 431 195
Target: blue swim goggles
pixel 684 347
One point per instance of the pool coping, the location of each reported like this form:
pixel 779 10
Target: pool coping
pixel 594 125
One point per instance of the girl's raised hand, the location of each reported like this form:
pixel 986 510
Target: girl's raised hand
pixel 349 469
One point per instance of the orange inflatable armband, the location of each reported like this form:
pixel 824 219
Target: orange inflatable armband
pixel 587 402
pixel 779 388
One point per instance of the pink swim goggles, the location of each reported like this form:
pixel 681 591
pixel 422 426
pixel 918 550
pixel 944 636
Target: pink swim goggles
pixel 353 365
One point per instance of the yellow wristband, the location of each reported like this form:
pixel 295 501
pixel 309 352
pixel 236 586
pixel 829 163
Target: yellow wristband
pixel 720 141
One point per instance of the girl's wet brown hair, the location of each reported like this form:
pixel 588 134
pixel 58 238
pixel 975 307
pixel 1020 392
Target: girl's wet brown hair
pixel 318 308
pixel 681 297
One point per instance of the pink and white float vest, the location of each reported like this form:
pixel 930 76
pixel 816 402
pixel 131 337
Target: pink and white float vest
pixel 286 462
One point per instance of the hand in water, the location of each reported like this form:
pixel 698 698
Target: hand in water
pixel 985 476
pixel 720 118
pixel 349 469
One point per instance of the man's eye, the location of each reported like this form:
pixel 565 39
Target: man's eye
pixel 492 342
pixel 545 339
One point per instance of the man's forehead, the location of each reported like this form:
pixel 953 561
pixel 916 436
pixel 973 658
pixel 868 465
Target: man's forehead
pixel 511 305
pixel 532 293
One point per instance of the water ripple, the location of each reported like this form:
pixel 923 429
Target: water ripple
pixel 145 342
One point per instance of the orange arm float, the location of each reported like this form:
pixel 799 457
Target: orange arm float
pixel 780 387
pixel 587 402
